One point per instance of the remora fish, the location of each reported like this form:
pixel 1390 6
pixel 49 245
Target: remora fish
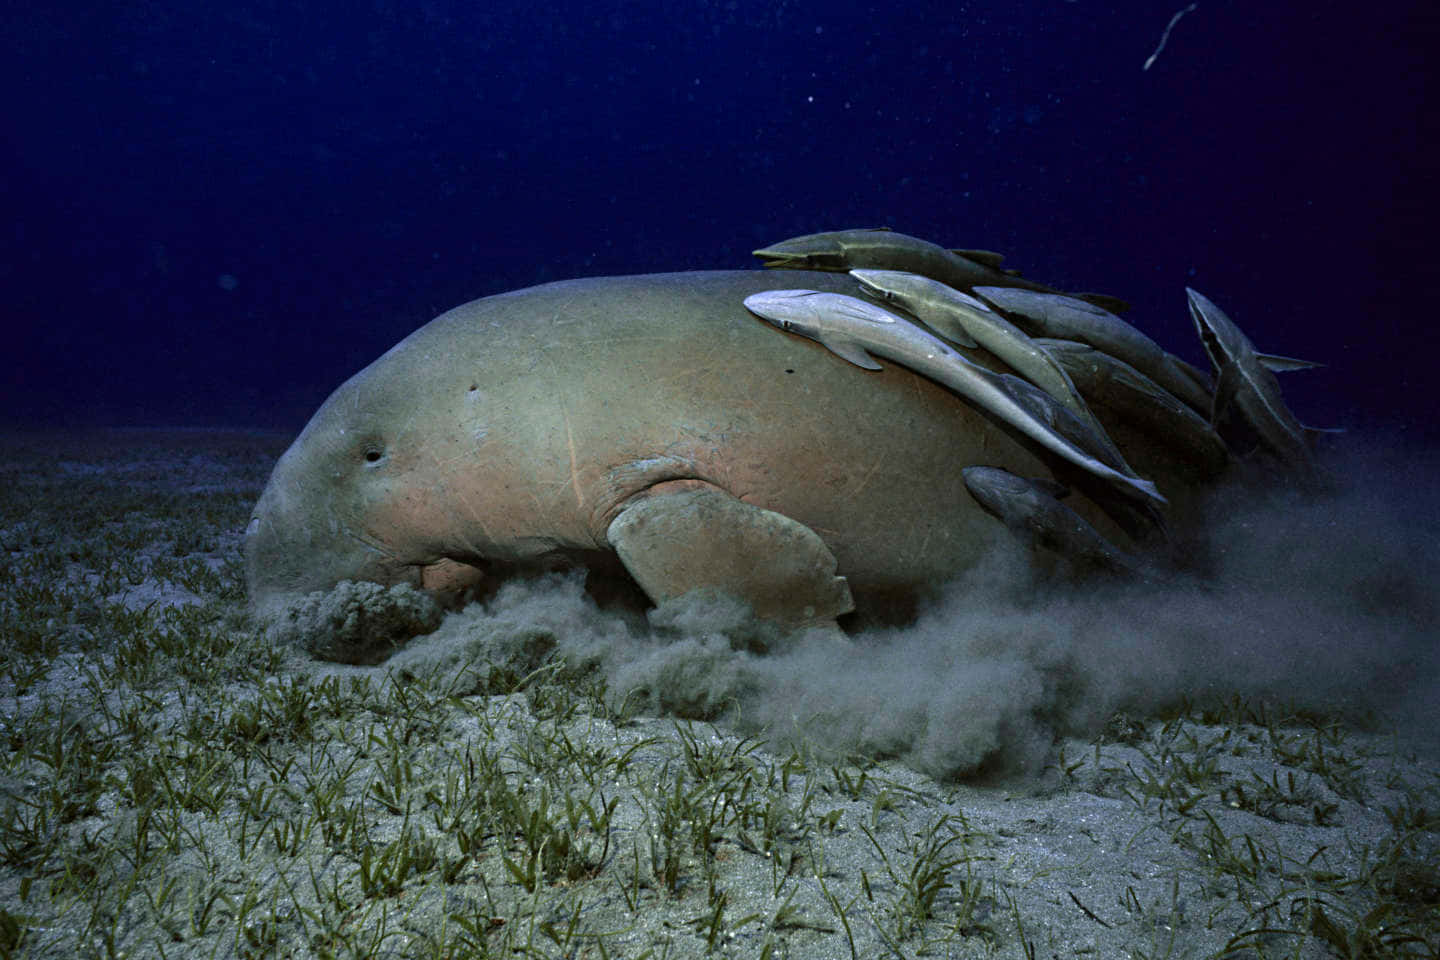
pixel 1065 318
pixel 1139 401
pixel 1141 519
pixel 849 327
pixel 1031 508
pixel 967 321
pixel 1246 390
pixel 884 249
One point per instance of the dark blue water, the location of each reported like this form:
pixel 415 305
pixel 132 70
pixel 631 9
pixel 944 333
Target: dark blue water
pixel 215 213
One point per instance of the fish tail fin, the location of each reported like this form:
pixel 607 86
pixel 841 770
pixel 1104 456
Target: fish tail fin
pixel 1148 488
pixel 848 349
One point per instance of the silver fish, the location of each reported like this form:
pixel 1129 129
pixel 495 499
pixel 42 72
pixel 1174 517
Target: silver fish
pixel 965 320
pixel 1065 318
pixel 883 248
pixel 1032 509
pixel 1140 402
pixel 1247 395
pixel 850 327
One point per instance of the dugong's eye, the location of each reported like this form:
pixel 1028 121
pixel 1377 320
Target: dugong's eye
pixel 374 453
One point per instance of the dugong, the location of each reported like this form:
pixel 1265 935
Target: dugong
pixel 648 426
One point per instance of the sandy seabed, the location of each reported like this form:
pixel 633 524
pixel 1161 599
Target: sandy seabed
pixel 1244 767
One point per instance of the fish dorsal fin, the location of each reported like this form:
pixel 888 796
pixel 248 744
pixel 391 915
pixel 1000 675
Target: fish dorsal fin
pixel 847 349
pixel 1280 364
pixel 986 258
pixel 1104 301
pixel 1051 486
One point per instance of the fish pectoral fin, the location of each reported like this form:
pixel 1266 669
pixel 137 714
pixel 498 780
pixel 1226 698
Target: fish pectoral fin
pixel 948 329
pixel 675 540
pixel 986 258
pixel 848 349
pixel 1279 364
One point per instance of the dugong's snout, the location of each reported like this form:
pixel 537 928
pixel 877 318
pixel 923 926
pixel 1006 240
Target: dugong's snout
pixel 294 546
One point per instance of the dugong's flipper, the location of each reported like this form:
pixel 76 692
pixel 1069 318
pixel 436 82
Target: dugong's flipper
pixel 676 541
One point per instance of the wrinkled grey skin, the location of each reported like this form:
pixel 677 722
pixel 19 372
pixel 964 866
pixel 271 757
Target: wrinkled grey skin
pixel 517 428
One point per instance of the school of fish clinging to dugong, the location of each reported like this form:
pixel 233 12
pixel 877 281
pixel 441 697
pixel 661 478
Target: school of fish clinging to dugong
pixel 732 431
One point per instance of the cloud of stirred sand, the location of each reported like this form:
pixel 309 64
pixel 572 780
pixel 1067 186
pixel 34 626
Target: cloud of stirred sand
pixel 1324 604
